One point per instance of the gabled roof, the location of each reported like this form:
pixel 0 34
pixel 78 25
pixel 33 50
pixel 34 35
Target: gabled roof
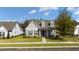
pixel 39 22
pixel 8 25
pixel 36 24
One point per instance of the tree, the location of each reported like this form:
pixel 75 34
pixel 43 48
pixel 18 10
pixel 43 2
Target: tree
pixel 64 22
pixel 24 25
pixel 72 25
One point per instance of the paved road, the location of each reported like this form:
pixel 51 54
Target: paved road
pixel 41 49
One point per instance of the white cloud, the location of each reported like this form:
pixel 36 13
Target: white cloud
pixel 46 13
pixel 77 12
pixel 32 12
pixel 24 16
pixel 77 20
pixel 43 9
pixel 70 8
pixel 47 8
pixel 7 20
pixel 54 8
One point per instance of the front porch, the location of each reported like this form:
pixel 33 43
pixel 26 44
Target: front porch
pixel 45 32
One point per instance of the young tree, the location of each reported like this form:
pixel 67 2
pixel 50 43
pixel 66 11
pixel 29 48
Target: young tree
pixel 64 22
pixel 24 25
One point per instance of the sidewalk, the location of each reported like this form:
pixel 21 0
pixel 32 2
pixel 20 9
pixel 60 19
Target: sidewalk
pixel 43 40
pixel 37 42
pixel 44 47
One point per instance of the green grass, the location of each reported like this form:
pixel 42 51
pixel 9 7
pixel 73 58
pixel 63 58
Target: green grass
pixel 21 39
pixel 54 40
pixel 36 45
pixel 38 39
pixel 66 39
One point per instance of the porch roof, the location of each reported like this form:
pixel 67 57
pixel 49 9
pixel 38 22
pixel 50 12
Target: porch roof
pixel 46 28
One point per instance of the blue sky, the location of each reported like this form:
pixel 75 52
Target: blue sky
pixel 21 13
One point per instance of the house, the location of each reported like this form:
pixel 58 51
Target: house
pixel 45 28
pixel 76 31
pixel 11 28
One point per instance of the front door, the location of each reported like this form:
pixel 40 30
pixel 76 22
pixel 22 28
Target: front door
pixel 49 33
pixel 43 33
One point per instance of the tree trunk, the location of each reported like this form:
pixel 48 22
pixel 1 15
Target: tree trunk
pixel 24 34
pixel 8 35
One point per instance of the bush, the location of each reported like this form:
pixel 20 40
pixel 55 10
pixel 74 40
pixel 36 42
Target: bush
pixel 61 37
pixel 28 37
pixel 57 36
pixel 24 36
pixel 3 37
pixel 35 36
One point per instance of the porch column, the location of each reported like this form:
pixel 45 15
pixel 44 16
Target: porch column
pixel 47 33
pixel 26 32
pixel 33 34
pixel 39 33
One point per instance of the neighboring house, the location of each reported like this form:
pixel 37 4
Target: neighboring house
pixel 76 31
pixel 44 28
pixel 12 28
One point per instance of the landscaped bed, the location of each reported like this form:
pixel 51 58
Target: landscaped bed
pixel 21 39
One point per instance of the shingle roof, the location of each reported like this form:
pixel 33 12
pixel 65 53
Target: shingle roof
pixel 38 22
pixel 8 25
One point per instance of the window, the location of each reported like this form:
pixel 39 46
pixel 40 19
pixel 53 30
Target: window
pixel 2 33
pixel 35 32
pixel 30 32
pixel 15 27
pixel 78 30
pixel 43 24
pixel 40 24
pixel 49 24
pixel 15 32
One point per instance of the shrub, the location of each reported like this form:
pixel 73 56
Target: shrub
pixel 35 36
pixel 28 36
pixel 24 36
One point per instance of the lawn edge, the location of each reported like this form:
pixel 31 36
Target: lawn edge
pixel 44 47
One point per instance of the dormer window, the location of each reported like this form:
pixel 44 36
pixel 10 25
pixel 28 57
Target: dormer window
pixel 40 24
pixel 48 24
pixel 51 23
pixel 43 24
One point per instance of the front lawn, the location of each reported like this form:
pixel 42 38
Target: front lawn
pixel 66 39
pixel 21 39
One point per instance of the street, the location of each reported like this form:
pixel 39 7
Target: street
pixel 41 49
